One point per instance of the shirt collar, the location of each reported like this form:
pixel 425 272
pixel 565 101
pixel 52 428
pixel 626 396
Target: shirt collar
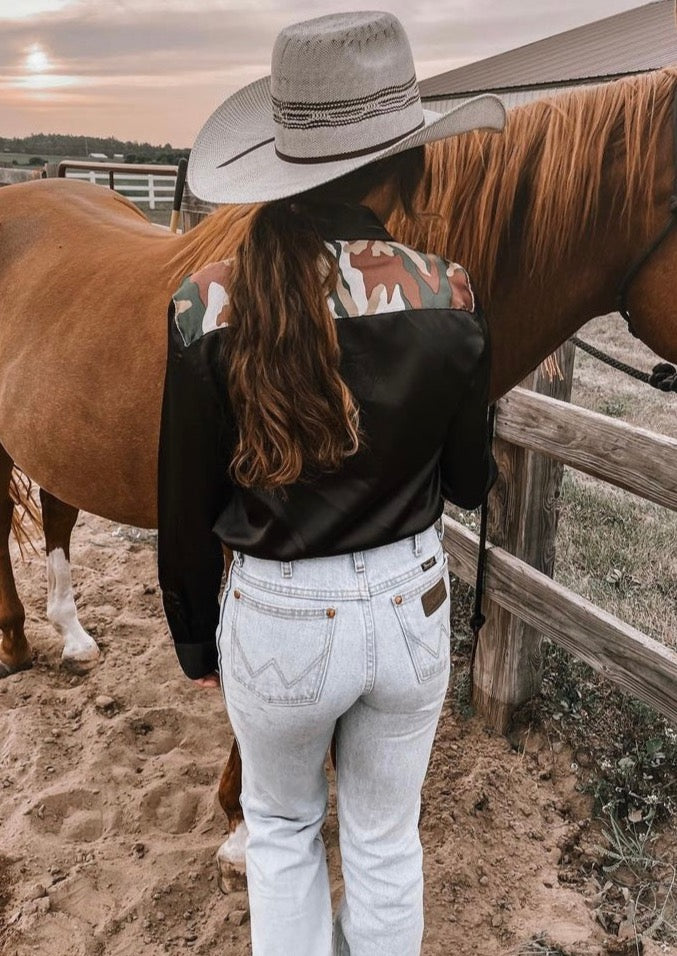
pixel 346 221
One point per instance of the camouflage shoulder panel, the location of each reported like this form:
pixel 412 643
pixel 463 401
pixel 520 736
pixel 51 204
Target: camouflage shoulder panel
pixel 383 276
pixel 201 303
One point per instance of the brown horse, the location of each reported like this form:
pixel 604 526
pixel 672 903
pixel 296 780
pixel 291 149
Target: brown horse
pixel 547 216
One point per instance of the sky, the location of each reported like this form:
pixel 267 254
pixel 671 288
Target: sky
pixel 153 70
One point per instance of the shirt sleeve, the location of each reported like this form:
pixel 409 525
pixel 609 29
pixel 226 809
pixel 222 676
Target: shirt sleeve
pixel 467 465
pixel 193 486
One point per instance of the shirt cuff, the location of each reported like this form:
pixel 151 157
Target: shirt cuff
pixel 198 660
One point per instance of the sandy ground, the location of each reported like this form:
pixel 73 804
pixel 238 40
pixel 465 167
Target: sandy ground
pixel 108 784
pixel 110 821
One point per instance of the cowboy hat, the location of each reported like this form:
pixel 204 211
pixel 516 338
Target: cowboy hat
pixel 342 93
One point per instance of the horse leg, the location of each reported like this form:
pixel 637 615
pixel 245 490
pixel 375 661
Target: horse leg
pixel 80 651
pixel 15 653
pixel 230 855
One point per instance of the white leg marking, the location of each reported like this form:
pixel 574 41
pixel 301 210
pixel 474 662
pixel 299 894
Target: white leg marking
pixel 232 851
pixel 78 646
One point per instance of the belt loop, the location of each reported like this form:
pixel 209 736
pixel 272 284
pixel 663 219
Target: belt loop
pixel 358 561
pixel 439 527
pixel 239 558
pixel 286 569
pixel 417 545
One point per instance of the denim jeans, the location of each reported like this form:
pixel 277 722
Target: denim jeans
pixel 358 646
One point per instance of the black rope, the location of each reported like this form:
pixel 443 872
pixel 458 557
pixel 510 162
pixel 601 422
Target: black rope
pixel 663 376
pixel 608 360
pixel 478 618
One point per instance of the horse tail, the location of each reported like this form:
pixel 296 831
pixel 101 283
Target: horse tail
pixel 26 521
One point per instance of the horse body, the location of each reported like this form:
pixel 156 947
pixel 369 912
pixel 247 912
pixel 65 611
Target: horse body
pixel 83 341
pixel 548 217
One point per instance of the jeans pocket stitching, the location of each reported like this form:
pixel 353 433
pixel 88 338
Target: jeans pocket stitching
pixel 320 662
pixel 428 659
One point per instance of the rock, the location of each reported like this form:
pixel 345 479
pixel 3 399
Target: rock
pixel 238 917
pixel 139 850
pixel 626 930
pixel 36 892
pixel 106 705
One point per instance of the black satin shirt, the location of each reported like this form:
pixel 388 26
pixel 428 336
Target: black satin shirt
pixel 419 370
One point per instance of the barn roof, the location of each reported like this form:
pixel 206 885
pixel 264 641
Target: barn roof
pixel 636 41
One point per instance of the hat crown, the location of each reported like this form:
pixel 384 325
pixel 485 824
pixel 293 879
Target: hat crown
pixel 341 84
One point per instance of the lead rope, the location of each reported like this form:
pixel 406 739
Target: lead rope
pixel 478 618
pixel 663 376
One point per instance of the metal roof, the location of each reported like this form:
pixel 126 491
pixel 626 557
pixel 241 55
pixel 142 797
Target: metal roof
pixel 636 41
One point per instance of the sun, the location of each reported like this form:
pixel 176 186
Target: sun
pixel 36 59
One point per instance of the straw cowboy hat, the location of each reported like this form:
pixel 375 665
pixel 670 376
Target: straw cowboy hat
pixel 342 93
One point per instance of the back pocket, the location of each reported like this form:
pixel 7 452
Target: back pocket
pixel 280 653
pixel 423 613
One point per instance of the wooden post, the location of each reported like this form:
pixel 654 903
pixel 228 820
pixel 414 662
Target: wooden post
pixel 193 210
pixel 523 512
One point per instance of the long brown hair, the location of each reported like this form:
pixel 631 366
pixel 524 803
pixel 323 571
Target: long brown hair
pixel 296 416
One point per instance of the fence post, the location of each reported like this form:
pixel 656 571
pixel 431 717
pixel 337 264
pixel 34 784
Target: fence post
pixel 523 511
pixel 193 210
pixel 151 191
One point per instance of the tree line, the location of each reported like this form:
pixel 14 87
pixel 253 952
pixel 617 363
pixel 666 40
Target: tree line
pixel 73 147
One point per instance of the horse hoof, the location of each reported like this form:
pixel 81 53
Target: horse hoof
pixel 230 861
pixel 6 670
pixel 79 667
pixel 230 879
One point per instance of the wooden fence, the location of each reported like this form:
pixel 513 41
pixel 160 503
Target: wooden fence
pixel 141 182
pixel 525 603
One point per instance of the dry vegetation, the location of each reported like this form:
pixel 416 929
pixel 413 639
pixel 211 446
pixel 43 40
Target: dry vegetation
pixel 619 551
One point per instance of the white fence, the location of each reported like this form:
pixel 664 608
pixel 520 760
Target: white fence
pixel 139 187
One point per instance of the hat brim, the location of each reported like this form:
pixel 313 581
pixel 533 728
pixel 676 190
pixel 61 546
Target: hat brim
pixel 233 159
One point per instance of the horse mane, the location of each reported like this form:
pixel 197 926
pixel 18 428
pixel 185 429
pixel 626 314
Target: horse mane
pixel 537 184
pixel 216 237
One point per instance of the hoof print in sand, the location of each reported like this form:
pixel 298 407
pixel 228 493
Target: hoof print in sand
pixel 156 731
pixel 75 815
pixel 170 809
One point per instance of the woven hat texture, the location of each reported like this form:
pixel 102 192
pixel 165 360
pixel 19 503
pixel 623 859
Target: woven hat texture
pixel 342 93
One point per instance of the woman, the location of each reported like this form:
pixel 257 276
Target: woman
pixel 324 391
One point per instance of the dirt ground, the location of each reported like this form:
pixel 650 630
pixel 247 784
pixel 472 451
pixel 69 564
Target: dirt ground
pixel 110 821
pixel 108 783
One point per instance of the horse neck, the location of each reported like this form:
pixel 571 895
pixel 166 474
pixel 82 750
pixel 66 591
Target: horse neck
pixel 531 315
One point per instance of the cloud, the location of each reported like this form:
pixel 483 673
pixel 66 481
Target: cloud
pixel 196 52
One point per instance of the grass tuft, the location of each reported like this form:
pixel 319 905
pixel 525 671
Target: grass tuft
pixel 539 946
pixel 619 552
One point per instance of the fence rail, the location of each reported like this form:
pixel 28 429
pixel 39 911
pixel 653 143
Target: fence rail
pixel 637 663
pixel 600 446
pixel 537 435
pixel 149 183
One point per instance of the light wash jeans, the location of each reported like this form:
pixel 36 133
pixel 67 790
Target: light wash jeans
pixel 356 645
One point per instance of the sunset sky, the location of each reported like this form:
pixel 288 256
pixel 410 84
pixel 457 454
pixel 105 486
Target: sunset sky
pixel 154 69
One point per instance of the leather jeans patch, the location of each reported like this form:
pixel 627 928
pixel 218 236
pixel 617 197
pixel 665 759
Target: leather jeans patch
pixel 433 598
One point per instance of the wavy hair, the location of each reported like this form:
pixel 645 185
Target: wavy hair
pixel 295 415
